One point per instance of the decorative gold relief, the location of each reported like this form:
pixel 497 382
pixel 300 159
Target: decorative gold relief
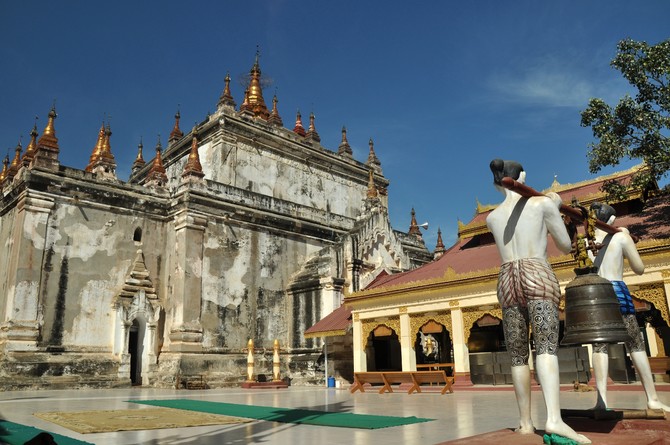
pixel 472 314
pixel 654 293
pixel 371 325
pixel 454 303
pixel 402 309
pixel 666 275
pixel 416 321
pixel 357 316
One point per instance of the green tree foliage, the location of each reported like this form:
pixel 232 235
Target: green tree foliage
pixel 639 127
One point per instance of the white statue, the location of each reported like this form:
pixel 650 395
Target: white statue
pixel 528 291
pixel 616 247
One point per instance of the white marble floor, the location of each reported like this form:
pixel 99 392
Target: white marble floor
pixel 461 414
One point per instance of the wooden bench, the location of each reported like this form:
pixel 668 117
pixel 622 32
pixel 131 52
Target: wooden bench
pixel 415 378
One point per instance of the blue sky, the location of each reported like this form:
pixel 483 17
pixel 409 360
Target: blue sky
pixel 442 87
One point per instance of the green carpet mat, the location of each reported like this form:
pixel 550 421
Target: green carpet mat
pixel 17 434
pixel 287 415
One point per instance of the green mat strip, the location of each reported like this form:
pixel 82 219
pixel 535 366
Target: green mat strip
pixel 17 434
pixel 287 415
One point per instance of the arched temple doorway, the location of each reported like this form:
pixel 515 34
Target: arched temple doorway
pixel 136 337
pixel 433 344
pixel 489 360
pixel 383 350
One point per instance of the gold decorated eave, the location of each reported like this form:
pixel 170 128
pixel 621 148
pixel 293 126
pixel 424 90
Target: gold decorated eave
pixel 333 333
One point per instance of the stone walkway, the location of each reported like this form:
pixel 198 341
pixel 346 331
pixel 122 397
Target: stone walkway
pixel 463 414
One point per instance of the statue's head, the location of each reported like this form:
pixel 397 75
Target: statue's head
pixel 604 212
pixel 502 169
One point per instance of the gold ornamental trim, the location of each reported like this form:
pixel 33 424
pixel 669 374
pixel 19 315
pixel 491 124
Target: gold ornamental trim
pixel 472 314
pixel 417 321
pixel 370 325
pixel 333 333
pixel 654 293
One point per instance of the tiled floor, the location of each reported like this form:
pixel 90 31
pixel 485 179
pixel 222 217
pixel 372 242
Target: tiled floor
pixel 461 414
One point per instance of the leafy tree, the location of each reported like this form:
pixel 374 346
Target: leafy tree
pixel 636 128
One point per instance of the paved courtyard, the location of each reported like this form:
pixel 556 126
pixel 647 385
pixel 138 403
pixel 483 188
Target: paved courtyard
pixel 461 414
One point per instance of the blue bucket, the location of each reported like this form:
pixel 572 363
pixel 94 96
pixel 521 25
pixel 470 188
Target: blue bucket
pixel 331 382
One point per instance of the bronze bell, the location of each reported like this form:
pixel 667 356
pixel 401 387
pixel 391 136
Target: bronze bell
pixel 592 313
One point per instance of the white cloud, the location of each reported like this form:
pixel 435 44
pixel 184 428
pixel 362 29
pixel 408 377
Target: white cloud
pixel 551 82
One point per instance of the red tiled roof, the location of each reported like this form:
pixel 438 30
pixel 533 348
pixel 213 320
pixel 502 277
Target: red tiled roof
pixel 653 222
pixel 333 324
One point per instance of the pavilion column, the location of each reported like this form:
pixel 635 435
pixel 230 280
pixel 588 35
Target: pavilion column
pixel 666 287
pixel 408 356
pixel 460 345
pixel 360 358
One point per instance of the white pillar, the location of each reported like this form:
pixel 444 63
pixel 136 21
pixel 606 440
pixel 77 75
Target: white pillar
pixel 651 340
pixel 360 359
pixel 461 353
pixel 408 354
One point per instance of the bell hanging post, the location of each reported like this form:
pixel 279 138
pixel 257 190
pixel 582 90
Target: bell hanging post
pixel 592 313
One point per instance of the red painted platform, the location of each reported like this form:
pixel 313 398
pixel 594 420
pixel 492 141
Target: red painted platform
pixel 264 385
pixel 601 432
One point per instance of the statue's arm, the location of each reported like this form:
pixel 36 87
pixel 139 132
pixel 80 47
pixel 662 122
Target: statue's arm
pixel 630 251
pixel 555 225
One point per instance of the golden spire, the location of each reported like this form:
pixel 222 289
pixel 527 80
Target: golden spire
pixel 344 149
pixel 30 150
pixel 176 133
pixel 3 173
pixel 439 247
pixel 139 160
pixel 97 149
pixel 373 161
pixel 16 162
pixel 107 146
pixel 413 226
pixel 372 189
pixel 274 118
pixel 299 129
pixel 311 131
pixel 193 168
pixel 157 175
pixel 47 149
pixel 245 108
pixel 255 98
pixel 226 98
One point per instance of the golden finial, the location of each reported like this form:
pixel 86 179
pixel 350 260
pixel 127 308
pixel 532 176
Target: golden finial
pixel 97 149
pixel 373 161
pixel 176 133
pixel 193 166
pixel 311 132
pixel 138 163
pixel 344 147
pixel 226 97
pixel 274 118
pixel 157 174
pixel 30 150
pixel 440 243
pixel 414 226
pixel 299 129
pixel 49 141
pixel 255 96
pixel 5 167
